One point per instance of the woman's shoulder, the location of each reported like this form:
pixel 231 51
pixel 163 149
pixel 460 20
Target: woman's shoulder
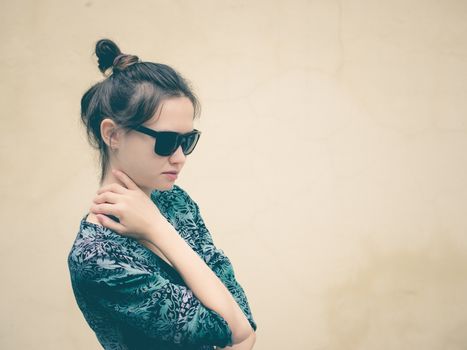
pixel 95 243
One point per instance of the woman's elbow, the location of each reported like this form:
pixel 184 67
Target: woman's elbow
pixel 240 335
pixel 239 325
pixel 246 344
pixel 253 337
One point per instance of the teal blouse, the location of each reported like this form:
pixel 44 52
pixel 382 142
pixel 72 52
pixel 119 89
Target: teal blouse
pixel 134 300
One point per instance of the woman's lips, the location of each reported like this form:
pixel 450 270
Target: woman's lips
pixel 171 176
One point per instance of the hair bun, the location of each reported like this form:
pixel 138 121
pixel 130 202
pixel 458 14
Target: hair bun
pixel 106 52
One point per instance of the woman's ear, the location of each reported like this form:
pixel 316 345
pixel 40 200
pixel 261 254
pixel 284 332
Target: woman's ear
pixel 109 133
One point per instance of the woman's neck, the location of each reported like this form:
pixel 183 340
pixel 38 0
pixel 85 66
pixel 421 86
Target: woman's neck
pixel 110 178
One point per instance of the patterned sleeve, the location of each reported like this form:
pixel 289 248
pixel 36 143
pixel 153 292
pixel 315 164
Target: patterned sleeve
pixel 219 262
pixel 137 295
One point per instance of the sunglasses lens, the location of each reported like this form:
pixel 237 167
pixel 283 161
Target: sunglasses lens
pixel 165 143
pixel 189 143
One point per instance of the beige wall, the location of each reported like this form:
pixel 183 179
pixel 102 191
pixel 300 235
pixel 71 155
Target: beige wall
pixel 331 170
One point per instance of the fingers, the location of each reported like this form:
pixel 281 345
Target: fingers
pixel 105 208
pixel 109 223
pixel 125 179
pixel 107 197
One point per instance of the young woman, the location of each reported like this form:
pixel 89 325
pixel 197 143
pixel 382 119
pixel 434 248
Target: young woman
pixel 144 268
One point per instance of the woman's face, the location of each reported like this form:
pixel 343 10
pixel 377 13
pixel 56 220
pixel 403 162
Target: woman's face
pixel 134 152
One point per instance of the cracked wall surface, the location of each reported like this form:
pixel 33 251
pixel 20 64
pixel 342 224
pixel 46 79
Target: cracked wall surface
pixel 332 169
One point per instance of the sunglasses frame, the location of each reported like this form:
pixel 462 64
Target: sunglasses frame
pixel 179 137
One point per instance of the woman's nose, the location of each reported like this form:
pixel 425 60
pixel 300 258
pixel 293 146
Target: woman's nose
pixel 178 156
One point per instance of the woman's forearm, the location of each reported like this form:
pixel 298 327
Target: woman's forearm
pixel 204 283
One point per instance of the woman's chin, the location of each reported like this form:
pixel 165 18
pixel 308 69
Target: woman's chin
pixel 164 187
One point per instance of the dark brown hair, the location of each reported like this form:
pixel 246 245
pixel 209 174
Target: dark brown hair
pixel 129 95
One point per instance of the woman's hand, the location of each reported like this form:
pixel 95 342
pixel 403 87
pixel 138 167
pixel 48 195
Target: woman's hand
pixel 135 210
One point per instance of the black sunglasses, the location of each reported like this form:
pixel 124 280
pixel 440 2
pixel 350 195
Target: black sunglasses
pixel 167 142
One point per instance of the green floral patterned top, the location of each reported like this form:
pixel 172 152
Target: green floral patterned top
pixel 134 300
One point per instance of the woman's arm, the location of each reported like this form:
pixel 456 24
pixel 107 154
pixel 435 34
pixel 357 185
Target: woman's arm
pixel 207 287
pixel 217 260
